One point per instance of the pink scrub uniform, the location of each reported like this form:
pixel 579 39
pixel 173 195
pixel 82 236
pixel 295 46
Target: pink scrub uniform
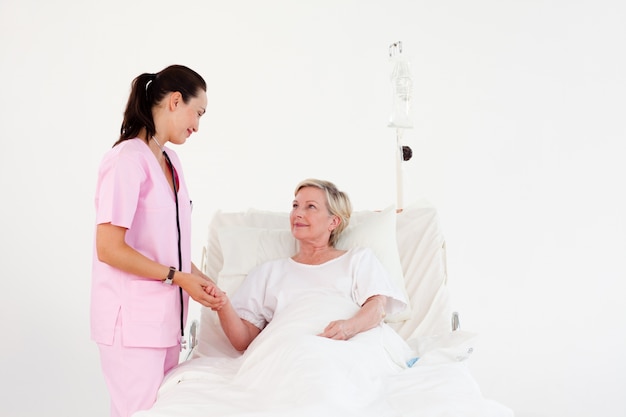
pixel 132 192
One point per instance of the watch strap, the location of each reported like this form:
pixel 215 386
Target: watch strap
pixel 170 276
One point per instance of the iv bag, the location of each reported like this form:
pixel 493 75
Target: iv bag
pixel 402 87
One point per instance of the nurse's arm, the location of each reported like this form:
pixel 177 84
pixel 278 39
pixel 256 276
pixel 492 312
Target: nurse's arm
pixel 112 249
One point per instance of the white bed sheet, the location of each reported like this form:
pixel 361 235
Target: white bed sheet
pixel 203 387
pixel 288 371
pixel 283 373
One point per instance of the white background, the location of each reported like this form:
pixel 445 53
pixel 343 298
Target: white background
pixel 519 129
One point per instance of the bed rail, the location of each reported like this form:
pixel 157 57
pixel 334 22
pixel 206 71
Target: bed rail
pixel 192 338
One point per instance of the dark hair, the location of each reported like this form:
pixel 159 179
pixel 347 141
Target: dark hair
pixel 148 90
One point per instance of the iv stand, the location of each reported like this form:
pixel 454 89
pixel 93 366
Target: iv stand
pixel 402 85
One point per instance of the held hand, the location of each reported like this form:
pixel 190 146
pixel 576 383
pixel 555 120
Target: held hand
pixel 338 330
pixel 220 296
pixel 203 290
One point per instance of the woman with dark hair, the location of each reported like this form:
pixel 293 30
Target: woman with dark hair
pixel 142 273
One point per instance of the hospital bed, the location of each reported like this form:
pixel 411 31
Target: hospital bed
pixel 436 382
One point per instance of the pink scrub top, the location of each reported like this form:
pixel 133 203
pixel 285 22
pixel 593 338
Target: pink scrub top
pixel 133 192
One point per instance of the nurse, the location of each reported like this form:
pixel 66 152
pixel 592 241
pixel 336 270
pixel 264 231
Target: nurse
pixel 142 273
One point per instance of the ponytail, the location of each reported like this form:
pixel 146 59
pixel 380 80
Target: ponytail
pixel 147 90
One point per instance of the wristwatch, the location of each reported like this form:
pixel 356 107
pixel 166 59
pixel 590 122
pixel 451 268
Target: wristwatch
pixel 170 276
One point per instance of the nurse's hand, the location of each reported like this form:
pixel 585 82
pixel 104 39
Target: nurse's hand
pixel 219 297
pixel 201 289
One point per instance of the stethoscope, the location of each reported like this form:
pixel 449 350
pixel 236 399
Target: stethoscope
pixel 180 254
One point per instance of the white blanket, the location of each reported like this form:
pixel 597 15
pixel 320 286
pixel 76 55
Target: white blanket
pixel 289 371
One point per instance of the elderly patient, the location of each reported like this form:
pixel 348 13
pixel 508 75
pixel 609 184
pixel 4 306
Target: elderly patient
pixel 320 212
pixel 313 324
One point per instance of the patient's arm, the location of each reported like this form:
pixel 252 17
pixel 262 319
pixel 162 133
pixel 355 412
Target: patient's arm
pixel 369 316
pixel 240 332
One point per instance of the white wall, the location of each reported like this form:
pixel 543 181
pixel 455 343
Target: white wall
pixel 519 126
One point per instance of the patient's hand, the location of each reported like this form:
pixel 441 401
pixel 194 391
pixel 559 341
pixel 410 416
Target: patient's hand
pixel 371 313
pixel 202 289
pixel 220 296
pixel 339 330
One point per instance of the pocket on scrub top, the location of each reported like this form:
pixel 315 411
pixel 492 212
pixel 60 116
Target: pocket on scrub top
pixel 151 301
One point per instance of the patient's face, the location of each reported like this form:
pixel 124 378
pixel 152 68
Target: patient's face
pixel 310 220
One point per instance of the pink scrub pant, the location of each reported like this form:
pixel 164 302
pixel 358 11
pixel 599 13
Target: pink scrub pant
pixel 134 374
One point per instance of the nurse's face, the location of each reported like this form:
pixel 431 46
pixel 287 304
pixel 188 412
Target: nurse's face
pixel 185 117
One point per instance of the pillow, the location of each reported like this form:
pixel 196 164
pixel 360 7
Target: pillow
pixel 244 247
pixel 212 259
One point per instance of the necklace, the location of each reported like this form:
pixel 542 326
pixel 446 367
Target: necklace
pixel 158 144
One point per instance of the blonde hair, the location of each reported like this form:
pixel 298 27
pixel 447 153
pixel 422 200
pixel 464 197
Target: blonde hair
pixel 337 203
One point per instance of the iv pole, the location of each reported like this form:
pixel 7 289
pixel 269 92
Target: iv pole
pixel 402 86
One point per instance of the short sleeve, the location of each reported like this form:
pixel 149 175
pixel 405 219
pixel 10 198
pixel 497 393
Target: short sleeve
pixel 118 190
pixel 371 279
pixel 249 300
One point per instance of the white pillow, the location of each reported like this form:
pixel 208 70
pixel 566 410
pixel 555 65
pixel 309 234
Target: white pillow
pixel 244 247
pixel 213 260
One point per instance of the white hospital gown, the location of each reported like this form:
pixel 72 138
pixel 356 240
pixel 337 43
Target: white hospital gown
pixel 289 367
pixel 356 275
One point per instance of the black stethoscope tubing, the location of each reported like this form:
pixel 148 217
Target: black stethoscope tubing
pixel 180 255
